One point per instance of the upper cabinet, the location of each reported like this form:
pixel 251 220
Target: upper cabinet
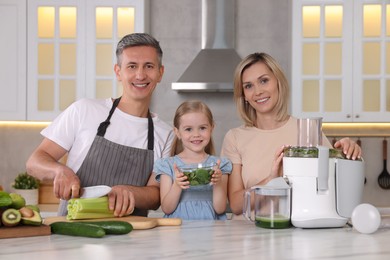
pixel 341 60
pixel 70 52
pixel 13 60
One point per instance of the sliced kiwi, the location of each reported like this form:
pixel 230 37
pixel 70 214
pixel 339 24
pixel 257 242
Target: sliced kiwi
pixel 11 217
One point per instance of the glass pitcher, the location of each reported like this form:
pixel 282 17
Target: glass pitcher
pixel 272 206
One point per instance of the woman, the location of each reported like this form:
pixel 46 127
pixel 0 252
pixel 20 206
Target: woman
pixel 261 93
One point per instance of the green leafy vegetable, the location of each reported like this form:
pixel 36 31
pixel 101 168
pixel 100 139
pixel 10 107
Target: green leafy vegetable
pixel 311 152
pixel 198 176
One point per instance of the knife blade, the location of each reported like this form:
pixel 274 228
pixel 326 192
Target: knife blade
pixel 95 191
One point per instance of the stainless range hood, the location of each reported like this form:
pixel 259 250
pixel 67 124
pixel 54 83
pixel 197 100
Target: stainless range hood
pixel 213 68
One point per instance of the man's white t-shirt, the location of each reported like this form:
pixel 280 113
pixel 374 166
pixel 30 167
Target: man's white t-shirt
pixel 76 127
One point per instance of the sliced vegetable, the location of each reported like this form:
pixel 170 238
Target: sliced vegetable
pixel 77 229
pixel 11 217
pixel 34 220
pixel 112 227
pixel 26 212
pixel 89 208
pixel 34 207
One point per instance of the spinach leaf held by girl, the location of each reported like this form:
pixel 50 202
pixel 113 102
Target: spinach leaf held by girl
pixel 193 144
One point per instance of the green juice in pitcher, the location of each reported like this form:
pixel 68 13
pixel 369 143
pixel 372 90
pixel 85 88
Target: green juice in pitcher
pixel 276 223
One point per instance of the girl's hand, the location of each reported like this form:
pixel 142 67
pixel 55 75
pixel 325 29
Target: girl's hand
pixel 181 180
pixel 217 175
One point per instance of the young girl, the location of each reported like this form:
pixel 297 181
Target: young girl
pixel 193 144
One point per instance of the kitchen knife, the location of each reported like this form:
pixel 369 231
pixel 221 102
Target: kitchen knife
pixel 95 191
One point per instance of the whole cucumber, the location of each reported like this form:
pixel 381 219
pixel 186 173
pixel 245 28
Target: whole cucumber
pixel 77 229
pixel 112 227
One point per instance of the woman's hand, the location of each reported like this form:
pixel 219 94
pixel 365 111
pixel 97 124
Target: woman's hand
pixel 350 148
pixel 276 170
pixel 181 180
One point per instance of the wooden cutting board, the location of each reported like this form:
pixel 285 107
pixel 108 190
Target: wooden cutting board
pixel 24 231
pixel 136 221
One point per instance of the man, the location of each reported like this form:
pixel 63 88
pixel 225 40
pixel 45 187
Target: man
pixel 111 142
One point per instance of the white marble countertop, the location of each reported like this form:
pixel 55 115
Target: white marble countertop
pixel 231 239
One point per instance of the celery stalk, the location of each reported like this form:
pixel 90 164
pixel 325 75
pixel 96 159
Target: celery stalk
pixel 89 208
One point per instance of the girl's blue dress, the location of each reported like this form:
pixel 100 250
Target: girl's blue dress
pixel 196 203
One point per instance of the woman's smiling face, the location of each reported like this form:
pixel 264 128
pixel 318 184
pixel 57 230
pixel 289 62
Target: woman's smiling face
pixel 260 88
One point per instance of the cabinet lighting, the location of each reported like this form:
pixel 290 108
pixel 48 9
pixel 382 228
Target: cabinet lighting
pixel 26 124
pixel 356 129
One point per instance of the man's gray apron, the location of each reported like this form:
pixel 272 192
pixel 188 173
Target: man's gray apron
pixel 113 164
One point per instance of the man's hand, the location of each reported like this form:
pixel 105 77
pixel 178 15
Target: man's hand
pixel 66 184
pixel 121 200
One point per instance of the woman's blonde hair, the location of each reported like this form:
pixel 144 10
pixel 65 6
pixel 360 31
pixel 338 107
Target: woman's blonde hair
pixel 192 106
pixel 245 110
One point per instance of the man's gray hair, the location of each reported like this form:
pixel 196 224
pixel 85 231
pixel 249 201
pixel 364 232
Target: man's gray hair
pixel 138 39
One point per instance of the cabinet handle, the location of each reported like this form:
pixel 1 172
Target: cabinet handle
pixel 348 116
pixel 357 116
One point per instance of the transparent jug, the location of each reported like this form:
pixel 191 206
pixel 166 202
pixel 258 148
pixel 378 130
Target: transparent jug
pixel 272 206
pixel 309 132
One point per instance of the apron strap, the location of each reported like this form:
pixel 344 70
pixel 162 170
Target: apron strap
pixel 103 125
pixel 150 132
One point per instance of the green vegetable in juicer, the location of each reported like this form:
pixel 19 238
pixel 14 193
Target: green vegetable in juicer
pixel 311 152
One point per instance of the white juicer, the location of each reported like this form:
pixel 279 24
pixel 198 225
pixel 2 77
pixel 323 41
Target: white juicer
pixel 325 189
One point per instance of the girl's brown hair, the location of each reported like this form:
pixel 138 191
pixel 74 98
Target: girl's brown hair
pixel 192 106
pixel 246 111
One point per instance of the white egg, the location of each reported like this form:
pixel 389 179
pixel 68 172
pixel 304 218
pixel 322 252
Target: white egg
pixel 366 218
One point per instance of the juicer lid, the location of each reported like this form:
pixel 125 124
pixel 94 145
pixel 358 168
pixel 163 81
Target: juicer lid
pixel 275 187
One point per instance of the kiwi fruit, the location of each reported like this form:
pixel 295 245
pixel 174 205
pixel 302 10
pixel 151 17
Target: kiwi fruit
pixel 11 217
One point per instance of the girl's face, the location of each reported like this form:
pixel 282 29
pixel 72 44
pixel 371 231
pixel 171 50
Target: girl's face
pixel 194 131
pixel 260 88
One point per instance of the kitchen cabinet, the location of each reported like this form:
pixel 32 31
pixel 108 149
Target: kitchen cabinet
pixel 13 60
pixel 341 60
pixel 60 51
pixel 71 50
